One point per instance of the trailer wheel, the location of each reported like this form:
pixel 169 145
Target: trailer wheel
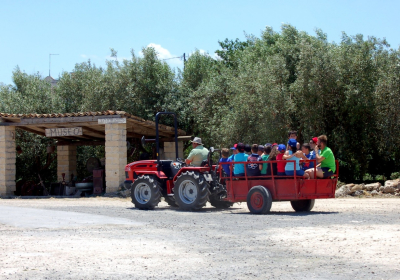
pixel 259 200
pixel 191 191
pixel 220 204
pixel 171 201
pixel 145 193
pixel 304 205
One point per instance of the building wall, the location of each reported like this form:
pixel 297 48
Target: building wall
pixel 169 150
pixel 116 158
pixel 7 160
pixel 66 162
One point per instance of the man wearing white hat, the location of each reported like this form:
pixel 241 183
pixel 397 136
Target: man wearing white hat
pixel 198 154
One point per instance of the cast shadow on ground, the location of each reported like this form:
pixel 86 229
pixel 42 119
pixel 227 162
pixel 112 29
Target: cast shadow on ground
pixel 229 211
pixel 289 213
pixel 170 208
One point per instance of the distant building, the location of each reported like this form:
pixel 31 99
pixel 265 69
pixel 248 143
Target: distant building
pixel 50 80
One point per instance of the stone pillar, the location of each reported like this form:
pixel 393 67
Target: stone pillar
pixel 169 150
pixel 66 162
pixel 116 159
pixel 7 160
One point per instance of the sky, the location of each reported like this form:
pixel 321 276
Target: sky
pixel 82 30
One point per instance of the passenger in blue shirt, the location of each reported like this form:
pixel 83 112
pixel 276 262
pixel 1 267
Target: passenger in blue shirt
pixel 234 152
pixel 307 155
pixel 225 158
pixel 238 169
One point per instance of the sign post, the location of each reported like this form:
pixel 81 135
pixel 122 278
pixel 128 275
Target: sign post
pixel 111 120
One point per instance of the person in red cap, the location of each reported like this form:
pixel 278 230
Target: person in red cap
pixel 313 143
pixel 234 152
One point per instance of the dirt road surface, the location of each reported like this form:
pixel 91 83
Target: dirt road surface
pixel 106 238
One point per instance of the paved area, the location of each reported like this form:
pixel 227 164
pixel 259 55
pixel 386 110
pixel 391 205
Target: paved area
pixel 106 238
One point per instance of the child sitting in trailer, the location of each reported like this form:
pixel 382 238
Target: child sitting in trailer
pixel 253 168
pixel 225 158
pixel 238 168
pixel 292 155
pixel 272 167
pixel 281 164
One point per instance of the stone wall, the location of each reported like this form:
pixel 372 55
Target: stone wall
pixel 116 159
pixel 7 160
pixel 66 162
pixel 169 150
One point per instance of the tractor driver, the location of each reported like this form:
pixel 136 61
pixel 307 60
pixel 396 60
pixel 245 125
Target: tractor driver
pixel 198 154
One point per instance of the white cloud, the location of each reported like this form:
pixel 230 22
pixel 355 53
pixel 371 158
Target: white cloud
pixel 164 54
pixel 203 52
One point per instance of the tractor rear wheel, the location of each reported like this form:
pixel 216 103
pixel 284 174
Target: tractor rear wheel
pixel 191 191
pixel 145 192
pixel 259 200
pixel 220 204
pixel 304 205
pixel 171 201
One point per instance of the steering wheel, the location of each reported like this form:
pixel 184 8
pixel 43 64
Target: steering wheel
pixel 181 161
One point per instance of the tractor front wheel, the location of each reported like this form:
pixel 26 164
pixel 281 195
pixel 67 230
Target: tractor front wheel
pixel 146 193
pixel 304 205
pixel 191 191
pixel 259 200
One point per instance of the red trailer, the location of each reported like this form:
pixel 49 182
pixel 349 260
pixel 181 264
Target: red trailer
pixel 260 191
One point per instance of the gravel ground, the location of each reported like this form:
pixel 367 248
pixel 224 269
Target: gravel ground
pixel 106 238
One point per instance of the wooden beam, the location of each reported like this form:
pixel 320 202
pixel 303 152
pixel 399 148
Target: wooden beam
pixel 81 143
pixel 93 131
pixel 34 130
pixel 134 135
pixel 62 120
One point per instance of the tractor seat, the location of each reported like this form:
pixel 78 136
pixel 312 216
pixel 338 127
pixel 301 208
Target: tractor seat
pixel 166 168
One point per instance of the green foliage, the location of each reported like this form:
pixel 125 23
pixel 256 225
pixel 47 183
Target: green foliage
pixel 255 92
pixel 395 175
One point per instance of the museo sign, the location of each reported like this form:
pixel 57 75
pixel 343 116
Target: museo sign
pixel 66 131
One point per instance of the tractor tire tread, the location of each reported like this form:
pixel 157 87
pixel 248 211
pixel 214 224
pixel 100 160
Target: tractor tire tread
pixel 156 197
pixel 203 194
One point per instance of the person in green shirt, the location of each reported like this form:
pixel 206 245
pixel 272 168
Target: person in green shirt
pixel 198 154
pixel 265 155
pixel 326 160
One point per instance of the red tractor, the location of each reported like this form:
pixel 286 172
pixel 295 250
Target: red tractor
pixel 190 187
pixel 184 186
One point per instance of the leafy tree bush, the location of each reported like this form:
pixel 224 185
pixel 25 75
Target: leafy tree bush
pixel 254 92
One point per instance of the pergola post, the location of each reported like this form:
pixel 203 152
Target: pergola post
pixel 116 158
pixel 7 160
pixel 66 162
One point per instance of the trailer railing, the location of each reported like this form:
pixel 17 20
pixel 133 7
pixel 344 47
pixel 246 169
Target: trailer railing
pixel 273 176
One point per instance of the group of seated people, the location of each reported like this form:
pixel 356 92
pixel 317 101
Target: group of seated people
pixel 286 159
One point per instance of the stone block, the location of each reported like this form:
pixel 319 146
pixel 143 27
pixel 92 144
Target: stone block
pixel 66 161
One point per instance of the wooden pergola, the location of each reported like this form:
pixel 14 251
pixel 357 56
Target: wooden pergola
pixel 108 128
pixel 92 124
